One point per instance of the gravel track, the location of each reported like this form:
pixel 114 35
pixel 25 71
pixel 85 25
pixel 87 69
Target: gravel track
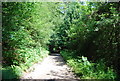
pixel 52 67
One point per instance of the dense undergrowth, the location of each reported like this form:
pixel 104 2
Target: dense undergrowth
pixel 86 69
pixel 27 27
pixel 16 71
pixel 90 29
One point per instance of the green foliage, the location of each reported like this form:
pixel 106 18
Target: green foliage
pixel 91 30
pixel 11 72
pixel 86 69
pixel 27 27
pixel 86 28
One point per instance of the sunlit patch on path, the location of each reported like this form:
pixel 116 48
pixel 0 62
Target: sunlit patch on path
pixel 52 67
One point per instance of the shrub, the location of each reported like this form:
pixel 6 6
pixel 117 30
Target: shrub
pixel 86 69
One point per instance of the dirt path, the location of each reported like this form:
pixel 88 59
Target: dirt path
pixel 52 67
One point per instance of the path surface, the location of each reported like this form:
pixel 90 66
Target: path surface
pixel 52 67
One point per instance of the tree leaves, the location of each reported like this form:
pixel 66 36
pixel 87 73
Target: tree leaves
pixel 26 25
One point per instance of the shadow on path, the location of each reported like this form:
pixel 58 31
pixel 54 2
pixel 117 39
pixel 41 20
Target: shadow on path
pixel 52 67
